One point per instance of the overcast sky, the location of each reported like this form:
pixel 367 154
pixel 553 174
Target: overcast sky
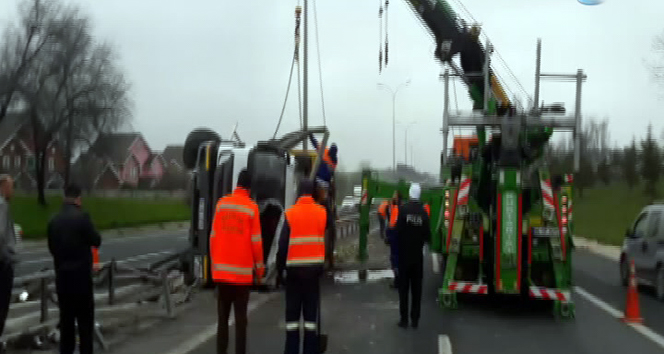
pixel 214 63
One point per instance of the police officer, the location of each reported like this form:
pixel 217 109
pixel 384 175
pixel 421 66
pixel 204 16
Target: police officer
pixel 236 250
pixel 412 233
pixel 71 235
pixel 301 254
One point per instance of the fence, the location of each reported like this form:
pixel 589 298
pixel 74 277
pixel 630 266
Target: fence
pixel 33 324
pixel 128 290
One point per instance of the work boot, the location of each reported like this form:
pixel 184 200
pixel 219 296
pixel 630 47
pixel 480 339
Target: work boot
pixel 414 324
pixel 403 324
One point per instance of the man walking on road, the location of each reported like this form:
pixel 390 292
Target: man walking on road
pixel 7 250
pixel 391 236
pixel 302 253
pixel 71 235
pixel 236 251
pixel 412 233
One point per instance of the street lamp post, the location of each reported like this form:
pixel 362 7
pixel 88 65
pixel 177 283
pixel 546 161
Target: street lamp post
pixel 405 144
pixel 394 98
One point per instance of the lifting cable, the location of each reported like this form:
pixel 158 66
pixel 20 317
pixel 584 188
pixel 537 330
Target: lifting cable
pixel 380 36
pixel 298 12
pixel 387 3
pixel 320 70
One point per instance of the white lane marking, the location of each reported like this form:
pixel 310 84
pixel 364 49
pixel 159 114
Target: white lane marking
pixel 211 331
pixel 598 302
pixel 435 260
pixel 40 260
pixel 645 331
pixel 444 344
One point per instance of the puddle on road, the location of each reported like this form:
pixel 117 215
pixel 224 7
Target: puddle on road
pixel 362 276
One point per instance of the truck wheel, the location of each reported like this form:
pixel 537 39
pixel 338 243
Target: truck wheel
pixel 659 283
pixel 193 141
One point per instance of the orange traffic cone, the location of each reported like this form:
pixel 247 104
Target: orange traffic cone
pixel 632 312
pixel 95 258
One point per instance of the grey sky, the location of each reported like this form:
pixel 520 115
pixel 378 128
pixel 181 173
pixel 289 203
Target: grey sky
pixel 215 63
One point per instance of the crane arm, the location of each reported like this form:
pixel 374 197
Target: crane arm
pixel 454 37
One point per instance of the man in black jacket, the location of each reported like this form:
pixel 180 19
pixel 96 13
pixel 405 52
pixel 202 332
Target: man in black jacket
pixel 71 236
pixel 412 233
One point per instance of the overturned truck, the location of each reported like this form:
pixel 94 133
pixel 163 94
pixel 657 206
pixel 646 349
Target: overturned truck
pixel 275 168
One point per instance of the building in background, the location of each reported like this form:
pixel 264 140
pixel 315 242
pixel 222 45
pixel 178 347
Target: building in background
pixel 17 154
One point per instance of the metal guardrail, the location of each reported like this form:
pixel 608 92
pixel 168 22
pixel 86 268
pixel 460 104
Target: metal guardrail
pixel 159 281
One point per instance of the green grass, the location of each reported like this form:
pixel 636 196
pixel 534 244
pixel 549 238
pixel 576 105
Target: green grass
pixel 106 213
pixel 605 212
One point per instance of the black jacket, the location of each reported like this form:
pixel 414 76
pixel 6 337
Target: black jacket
pixel 412 233
pixel 71 236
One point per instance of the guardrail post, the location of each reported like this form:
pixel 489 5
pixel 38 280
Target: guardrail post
pixel 167 293
pixel 44 300
pixel 111 282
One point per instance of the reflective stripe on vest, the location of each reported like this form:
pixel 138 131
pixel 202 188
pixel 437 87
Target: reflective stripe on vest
pixel 307 221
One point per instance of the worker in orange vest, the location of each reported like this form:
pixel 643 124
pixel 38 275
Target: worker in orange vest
pixel 392 235
pixel 95 258
pixel 427 208
pixel 236 252
pixel 383 217
pixel 302 254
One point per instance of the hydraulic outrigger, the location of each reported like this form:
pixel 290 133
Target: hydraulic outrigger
pixel 504 226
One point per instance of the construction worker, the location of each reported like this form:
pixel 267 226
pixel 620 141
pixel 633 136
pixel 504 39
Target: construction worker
pixel 412 233
pixel 326 169
pixel 71 234
pixel 392 236
pixel 383 217
pixel 301 254
pixel 427 208
pixel 236 252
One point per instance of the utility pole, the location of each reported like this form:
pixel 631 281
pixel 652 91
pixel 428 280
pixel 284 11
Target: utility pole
pixel 305 87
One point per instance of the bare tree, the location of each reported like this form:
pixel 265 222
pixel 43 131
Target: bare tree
pixel 72 90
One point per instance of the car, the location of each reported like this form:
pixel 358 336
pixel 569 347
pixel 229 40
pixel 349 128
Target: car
pixel 643 245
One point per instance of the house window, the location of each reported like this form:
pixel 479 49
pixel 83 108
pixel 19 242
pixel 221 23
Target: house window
pixel 6 161
pixel 51 164
pixel 133 173
pixel 17 162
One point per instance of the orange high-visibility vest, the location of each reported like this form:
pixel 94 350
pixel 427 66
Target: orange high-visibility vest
pixel 307 221
pixel 328 160
pixel 236 245
pixel 394 214
pixel 428 209
pixel 382 209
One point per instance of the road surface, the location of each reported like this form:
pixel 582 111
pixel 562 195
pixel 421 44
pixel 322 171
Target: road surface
pixel 134 250
pixel 361 318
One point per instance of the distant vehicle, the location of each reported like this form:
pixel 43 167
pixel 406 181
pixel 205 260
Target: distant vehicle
pixel 643 245
pixel 348 204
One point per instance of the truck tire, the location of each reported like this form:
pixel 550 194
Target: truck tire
pixel 193 141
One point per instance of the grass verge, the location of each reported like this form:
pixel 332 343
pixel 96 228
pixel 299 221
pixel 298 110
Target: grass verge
pixel 605 212
pixel 106 213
